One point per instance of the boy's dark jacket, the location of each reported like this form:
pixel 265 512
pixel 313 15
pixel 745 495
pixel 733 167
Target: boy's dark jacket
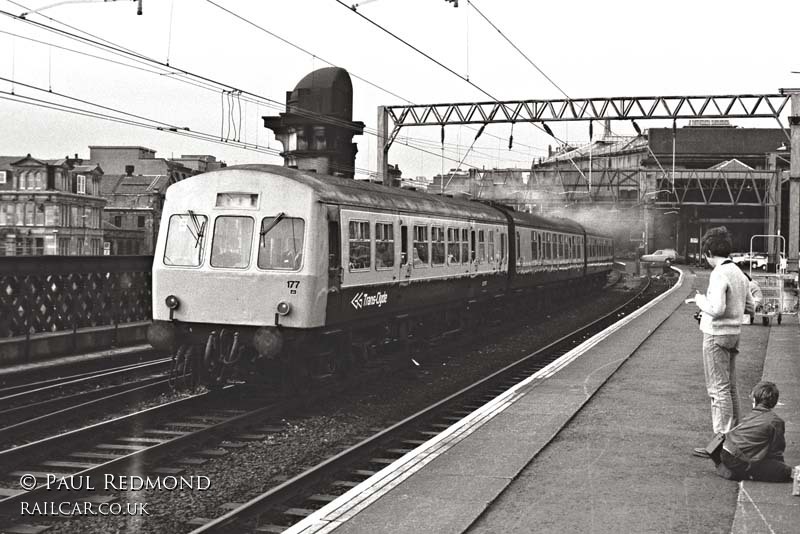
pixel 759 436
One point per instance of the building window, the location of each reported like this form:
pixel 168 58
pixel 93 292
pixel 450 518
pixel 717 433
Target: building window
pixel 140 221
pixel 39 215
pixel 118 221
pixel 81 184
pixel 4 176
pixel 39 247
pixel 96 247
pixel 63 246
pixel 319 138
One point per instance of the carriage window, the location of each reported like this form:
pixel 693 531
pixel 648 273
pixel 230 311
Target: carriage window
pixel 420 246
pixel 481 246
pixel 503 246
pixel 185 240
pixel 437 245
pixel 520 256
pixel 232 242
pixel 384 245
pixel 359 245
pixel 280 245
pixel 465 245
pixel 491 245
pixel 453 246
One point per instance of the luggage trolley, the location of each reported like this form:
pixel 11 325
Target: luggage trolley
pixel 779 290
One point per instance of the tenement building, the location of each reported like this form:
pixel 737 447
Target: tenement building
pixel 50 207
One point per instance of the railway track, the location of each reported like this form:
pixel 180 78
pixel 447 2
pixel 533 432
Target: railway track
pixel 31 407
pixel 126 444
pixel 286 504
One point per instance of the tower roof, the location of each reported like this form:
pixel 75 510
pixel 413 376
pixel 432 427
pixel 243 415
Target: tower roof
pixel 327 91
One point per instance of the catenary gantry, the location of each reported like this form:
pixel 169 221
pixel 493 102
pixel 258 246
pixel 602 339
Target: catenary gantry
pixel 750 106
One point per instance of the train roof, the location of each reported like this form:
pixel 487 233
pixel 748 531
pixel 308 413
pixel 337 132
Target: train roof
pixel 364 194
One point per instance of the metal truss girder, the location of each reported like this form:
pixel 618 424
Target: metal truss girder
pixel 620 108
pixel 719 188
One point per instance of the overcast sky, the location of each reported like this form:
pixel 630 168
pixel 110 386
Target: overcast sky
pixel 588 48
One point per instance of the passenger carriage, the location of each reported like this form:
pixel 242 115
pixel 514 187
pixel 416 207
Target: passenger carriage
pixel 258 265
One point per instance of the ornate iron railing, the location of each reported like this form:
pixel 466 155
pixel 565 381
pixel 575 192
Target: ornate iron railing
pixel 41 294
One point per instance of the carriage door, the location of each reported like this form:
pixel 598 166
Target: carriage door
pixel 334 257
pixel 405 254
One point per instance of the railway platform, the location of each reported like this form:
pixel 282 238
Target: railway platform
pixel 599 441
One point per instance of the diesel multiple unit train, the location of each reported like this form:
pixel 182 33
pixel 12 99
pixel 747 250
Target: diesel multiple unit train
pixel 264 272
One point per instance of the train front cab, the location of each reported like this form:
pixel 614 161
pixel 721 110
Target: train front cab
pixel 238 250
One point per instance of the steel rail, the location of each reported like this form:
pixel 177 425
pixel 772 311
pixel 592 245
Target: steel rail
pixel 85 378
pixel 28 422
pixel 13 381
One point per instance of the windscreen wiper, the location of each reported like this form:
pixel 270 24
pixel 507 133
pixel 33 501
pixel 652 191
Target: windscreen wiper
pixel 199 228
pixel 278 218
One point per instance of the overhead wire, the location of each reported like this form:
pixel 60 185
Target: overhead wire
pixel 179 74
pixel 316 56
pixel 440 64
pixel 538 69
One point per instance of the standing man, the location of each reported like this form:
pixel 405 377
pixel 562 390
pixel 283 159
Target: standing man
pixel 723 305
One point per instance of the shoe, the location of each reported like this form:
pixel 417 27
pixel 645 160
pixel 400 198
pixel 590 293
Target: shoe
pixel 701 452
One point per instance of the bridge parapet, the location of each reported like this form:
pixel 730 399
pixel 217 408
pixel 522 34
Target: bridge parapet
pixel 47 294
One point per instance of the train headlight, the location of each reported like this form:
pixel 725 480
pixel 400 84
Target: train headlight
pixel 172 302
pixel 284 308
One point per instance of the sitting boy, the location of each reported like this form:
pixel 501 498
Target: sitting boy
pixel 753 450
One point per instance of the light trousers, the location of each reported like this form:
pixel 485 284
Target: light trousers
pixel 719 364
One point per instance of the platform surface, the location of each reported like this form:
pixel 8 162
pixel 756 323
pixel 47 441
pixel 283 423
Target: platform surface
pixel 601 444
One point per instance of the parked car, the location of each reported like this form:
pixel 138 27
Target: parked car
pixel 756 260
pixel 664 255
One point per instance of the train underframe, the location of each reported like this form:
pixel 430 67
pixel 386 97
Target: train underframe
pixel 289 359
